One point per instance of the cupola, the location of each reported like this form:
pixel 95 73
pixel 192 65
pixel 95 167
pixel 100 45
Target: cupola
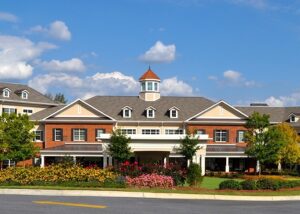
pixel 149 86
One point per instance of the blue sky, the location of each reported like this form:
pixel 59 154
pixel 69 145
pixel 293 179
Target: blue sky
pixel 241 51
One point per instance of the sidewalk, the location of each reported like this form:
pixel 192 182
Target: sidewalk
pixel 144 195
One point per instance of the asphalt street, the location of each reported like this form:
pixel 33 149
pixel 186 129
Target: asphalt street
pixel 15 204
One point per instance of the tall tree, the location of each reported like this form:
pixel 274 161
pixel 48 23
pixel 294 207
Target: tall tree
pixel 189 146
pixel 119 146
pixel 264 141
pixel 59 97
pixel 16 137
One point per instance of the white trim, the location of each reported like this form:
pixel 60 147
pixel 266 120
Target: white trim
pixel 6 90
pixel 214 105
pixel 30 102
pixel 78 100
pixel 150 107
pixel 79 121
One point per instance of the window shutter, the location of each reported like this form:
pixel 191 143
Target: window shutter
pixel 42 135
pixel 72 134
pixel 62 134
pixel 53 134
pixel 96 130
pixel 214 137
pixel 85 134
pixel 237 136
pixel 227 137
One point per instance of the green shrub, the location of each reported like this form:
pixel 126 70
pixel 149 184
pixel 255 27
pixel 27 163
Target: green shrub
pixel 268 184
pixel 194 177
pixel 230 184
pixel 249 185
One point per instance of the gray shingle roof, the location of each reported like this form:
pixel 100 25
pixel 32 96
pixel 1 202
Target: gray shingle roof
pixel 33 97
pixel 44 113
pixel 112 106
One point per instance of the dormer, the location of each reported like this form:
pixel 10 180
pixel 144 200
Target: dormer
pixel 23 94
pixel 150 112
pixel 149 86
pixel 173 112
pixel 6 92
pixel 293 118
pixel 126 112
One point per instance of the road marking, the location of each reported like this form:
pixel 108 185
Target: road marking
pixel 70 204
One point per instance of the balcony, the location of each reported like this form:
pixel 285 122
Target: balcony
pixel 201 137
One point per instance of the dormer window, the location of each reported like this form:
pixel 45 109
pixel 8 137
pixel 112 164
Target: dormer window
pixel 127 112
pixel 293 118
pixel 24 95
pixel 6 92
pixel 150 112
pixel 173 112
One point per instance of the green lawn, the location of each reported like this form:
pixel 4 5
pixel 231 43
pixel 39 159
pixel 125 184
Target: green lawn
pixel 213 182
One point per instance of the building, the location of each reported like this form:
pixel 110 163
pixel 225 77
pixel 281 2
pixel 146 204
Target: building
pixel 156 124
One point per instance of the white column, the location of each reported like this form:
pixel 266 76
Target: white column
pixel 202 165
pixel 74 160
pixel 279 166
pixel 227 165
pixel 109 161
pixel 165 162
pixel 104 161
pixel 42 161
pixel 9 163
pixel 257 166
pixel 188 163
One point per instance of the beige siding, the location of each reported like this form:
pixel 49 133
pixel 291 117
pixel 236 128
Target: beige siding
pixel 76 110
pixel 221 111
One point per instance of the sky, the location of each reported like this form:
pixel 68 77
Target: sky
pixel 240 51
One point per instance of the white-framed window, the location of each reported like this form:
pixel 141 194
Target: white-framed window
pixel 150 131
pixel 173 113
pixel 240 136
pixel 99 132
pixel 127 113
pixel 150 86
pixel 292 118
pixel 38 136
pixel 6 92
pixel 79 134
pixel 150 113
pixel 155 86
pixel 143 86
pixel 27 111
pixel 57 134
pixel 200 131
pixel 24 95
pixel 128 131
pixel 221 136
pixel 173 131
pixel 9 110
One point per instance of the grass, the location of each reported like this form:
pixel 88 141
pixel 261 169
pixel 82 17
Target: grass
pixel 213 182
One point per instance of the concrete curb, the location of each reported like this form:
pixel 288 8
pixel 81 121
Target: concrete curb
pixel 144 195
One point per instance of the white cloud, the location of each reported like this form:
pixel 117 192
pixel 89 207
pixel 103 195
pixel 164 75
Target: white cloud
pixel 113 83
pixel 16 53
pixel 234 79
pixel 57 29
pixel 8 17
pixel 290 100
pixel 73 64
pixel 159 53
pixel 173 86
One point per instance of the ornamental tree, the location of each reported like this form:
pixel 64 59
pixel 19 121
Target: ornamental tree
pixel 119 146
pixel 189 146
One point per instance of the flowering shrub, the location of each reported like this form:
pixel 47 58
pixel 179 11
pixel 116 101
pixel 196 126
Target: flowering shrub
pixel 55 174
pixel 151 181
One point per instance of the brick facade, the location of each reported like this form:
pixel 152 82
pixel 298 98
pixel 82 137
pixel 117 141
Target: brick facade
pixel 67 132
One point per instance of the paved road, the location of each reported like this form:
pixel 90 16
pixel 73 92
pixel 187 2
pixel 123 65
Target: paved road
pixel 11 204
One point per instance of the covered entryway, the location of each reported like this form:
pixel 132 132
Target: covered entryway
pixel 146 157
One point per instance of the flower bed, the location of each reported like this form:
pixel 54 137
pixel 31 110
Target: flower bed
pixel 151 181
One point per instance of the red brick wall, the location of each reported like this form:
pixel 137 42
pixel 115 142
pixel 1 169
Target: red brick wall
pixel 67 132
pixel 209 129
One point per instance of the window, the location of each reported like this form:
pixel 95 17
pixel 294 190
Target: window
pixel 9 110
pixel 155 86
pixel 173 131
pixel 173 113
pixel 38 135
pixel 79 134
pixel 150 131
pixel 27 111
pixel 57 134
pixel 200 131
pixel 128 131
pixel 24 95
pixel 127 113
pixel 5 93
pixel 221 136
pixel 292 118
pixel 150 86
pixel 150 113
pixel 99 132
pixel 143 86
pixel 240 136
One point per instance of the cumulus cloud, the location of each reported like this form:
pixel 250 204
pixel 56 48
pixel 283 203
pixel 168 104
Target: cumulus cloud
pixel 71 65
pixel 57 30
pixel 233 78
pixel 8 17
pixel 16 53
pixel 159 53
pixel 290 100
pixel 173 86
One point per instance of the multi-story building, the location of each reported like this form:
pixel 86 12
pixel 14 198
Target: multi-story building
pixel 156 124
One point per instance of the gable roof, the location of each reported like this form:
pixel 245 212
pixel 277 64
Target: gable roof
pixel 34 97
pixel 112 105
